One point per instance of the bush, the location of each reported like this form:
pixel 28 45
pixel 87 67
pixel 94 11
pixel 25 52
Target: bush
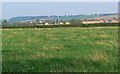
pixel 56 26
pixel 75 22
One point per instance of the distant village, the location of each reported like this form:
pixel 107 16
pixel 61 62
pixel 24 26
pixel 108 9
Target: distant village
pixel 88 21
pixel 38 22
pixel 46 22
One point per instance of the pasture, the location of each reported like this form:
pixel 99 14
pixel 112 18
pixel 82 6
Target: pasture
pixel 73 49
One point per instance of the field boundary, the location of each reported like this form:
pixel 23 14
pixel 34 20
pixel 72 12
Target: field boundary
pixel 57 26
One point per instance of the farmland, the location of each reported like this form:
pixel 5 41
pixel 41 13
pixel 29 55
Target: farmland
pixel 73 49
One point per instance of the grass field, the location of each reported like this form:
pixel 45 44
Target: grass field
pixel 60 49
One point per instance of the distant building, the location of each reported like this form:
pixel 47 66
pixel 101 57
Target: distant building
pixel 61 23
pixel 99 21
pixel 67 22
pixel 91 21
pixel 46 23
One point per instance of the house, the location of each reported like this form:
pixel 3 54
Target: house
pixel 91 21
pixel 61 23
pixel 67 23
pixel 46 23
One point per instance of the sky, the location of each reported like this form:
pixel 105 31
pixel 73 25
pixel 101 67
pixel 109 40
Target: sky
pixel 13 9
pixel 59 0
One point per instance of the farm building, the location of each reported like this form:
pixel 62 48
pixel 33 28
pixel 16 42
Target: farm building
pixel 99 21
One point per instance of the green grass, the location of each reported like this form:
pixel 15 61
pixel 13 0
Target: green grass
pixel 60 49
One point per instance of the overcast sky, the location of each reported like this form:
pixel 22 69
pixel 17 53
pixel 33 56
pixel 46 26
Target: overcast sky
pixel 13 9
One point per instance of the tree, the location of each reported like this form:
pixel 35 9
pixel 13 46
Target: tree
pixel 5 23
pixel 64 22
pixel 57 21
pixel 75 22
pixel 52 22
pixel 37 21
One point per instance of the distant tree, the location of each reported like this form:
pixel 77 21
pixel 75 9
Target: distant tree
pixel 37 21
pixel 113 18
pixel 51 22
pixel 64 22
pixel 4 22
pixel 75 22
pixel 57 21
pixel 61 20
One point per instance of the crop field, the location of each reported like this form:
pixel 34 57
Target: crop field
pixel 73 49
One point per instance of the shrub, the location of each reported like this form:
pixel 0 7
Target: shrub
pixel 75 22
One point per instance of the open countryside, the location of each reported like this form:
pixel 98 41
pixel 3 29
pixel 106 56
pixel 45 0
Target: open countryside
pixel 59 37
